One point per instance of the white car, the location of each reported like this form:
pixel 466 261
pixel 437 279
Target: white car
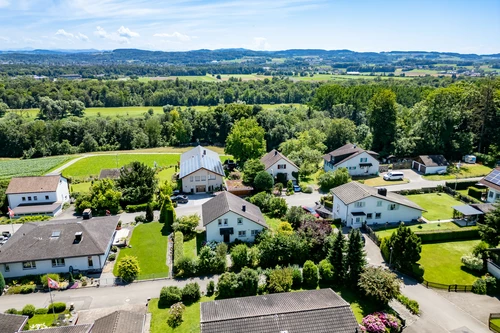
pixel 394 175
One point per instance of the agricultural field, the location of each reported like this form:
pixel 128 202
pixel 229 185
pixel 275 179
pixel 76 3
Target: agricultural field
pixel 33 167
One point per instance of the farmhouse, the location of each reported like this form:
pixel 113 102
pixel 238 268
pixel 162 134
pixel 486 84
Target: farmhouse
pixel 276 163
pixel 313 311
pixel 355 203
pixel 227 217
pixel 356 160
pixel 201 171
pixel 430 164
pixel 43 195
pixel 492 181
pixel 58 247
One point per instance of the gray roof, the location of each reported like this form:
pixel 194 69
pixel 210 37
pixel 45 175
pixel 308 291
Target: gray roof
pixel 109 173
pixel 226 202
pixel 200 158
pixel 433 160
pixel 34 241
pixel 274 156
pixel 347 152
pixel 64 329
pixel 492 180
pixel 32 209
pixel 355 191
pixel 467 210
pixel 314 311
pixel 20 185
pixel 484 207
pixel 120 322
pixel 10 323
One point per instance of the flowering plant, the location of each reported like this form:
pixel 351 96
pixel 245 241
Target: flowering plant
pixel 380 322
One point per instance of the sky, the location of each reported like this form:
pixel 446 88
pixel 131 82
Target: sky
pixel 463 26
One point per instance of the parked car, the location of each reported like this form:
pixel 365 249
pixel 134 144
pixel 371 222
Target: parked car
pixel 6 234
pixel 296 188
pixel 394 175
pixel 179 199
pixel 310 211
pixel 176 192
pixel 87 214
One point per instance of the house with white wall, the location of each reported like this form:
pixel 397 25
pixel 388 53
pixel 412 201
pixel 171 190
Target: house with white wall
pixel 227 217
pixel 356 160
pixel 492 181
pixel 430 164
pixel 58 247
pixel 355 204
pixel 275 163
pixel 201 171
pixel 44 195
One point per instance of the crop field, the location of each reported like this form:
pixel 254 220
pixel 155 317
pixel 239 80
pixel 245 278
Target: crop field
pixel 33 167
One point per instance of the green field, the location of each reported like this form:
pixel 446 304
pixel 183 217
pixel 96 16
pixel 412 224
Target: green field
pixel 33 167
pixel 437 205
pixel 419 227
pixel 149 245
pixel 442 262
pixel 81 187
pixel 189 248
pixel 466 171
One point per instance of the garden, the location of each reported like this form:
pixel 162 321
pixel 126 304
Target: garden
pixel 465 171
pixel 438 206
pixel 56 314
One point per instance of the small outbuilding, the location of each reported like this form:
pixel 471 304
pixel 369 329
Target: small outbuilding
pixel 430 164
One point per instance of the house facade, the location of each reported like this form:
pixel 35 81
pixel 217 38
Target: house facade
pixel 43 195
pixel 58 247
pixel 357 161
pixel 492 181
pixel 355 204
pixel 430 164
pixel 201 171
pixel 227 218
pixel 275 163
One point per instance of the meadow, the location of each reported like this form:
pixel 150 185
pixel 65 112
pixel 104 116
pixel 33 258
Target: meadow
pixel 33 167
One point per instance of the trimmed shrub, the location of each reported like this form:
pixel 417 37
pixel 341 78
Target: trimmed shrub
pixel 41 311
pixel 308 189
pixel 296 278
pixel 191 293
pixel 328 203
pixel 142 207
pixel 228 285
pixel 280 280
pixel 475 192
pixel 27 288
pixel 210 288
pixel 239 256
pixel 2 284
pixel 175 315
pixel 169 296
pixel 112 257
pixel 178 248
pixel 128 268
pixel 479 287
pixel 472 262
pixel 310 274
pixel 57 306
pixel 248 281
pixel 54 277
pixel 114 249
pixel 187 267
pixel 11 311
pixel 29 309
pixel 325 271
pixel 410 304
pixel 491 284
pixel 461 185
pixel 449 235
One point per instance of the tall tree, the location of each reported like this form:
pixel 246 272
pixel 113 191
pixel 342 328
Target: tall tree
pixel 490 230
pixel 3 109
pixel 382 119
pixel 339 132
pixel 406 247
pixel 246 140
pixel 356 257
pixel 251 168
pixel 137 183
pixel 338 259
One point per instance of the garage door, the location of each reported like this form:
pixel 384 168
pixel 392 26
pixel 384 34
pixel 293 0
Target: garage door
pixel 201 188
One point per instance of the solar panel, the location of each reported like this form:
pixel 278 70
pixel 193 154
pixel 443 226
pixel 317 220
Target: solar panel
pixel 493 177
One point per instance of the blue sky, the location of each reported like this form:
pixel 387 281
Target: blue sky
pixel 359 25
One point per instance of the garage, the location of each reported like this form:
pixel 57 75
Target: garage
pixel 430 164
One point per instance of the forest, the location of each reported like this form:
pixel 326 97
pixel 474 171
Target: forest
pixel 433 116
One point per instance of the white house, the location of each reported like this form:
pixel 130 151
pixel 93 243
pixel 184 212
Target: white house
pixel 201 171
pixel 355 203
pixel 58 247
pixel 430 164
pixel 44 195
pixel 227 217
pixel 356 160
pixel 492 181
pixel 275 163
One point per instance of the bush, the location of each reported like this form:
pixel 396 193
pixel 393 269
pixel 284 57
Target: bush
pixel 479 287
pixel 308 189
pixel 2 284
pixel 448 235
pixel 228 285
pixel 280 280
pixel 178 248
pixel 53 276
pixel 248 281
pixel 261 200
pixel 29 310
pixel 475 192
pixel 328 204
pixel 379 284
pixel 149 212
pixel 41 311
pixel 472 262
pixel 325 271
pixel 461 185
pixel 187 267
pixel 210 288
pixel 277 207
pixel 239 256
pixel 310 274
pixel 332 179
pixel 142 207
pixel 381 322
pixel 112 257
pixel 128 268
pixel 140 219
pixel 263 181
pixel 175 315
pixel 187 225
pixel 191 293
pixel 169 296
pixel 12 311
pixel 296 278
pixel 491 284
pixel 114 249
pixel 57 307
pixel 410 304
pixel 27 289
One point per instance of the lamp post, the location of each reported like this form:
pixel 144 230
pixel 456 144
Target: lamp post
pixel 390 258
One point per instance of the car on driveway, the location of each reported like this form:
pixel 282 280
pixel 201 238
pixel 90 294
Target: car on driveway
pixel 310 210
pixel 296 188
pixel 180 199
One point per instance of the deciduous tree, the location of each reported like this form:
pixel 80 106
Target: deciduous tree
pixel 246 140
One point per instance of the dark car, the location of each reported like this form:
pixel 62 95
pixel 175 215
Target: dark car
pixel 179 199
pixel 87 214
pixel 310 211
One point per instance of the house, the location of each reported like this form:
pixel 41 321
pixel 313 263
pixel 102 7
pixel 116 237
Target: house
pixel 44 195
pixel 10 323
pixel 430 164
pixel 120 322
pixel 355 203
pixel 58 247
pixel 492 181
pixel 201 171
pixel 109 173
pixel 356 160
pixel 312 311
pixel 276 163
pixel 227 217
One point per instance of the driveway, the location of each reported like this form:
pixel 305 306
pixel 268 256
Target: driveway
pixel 303 199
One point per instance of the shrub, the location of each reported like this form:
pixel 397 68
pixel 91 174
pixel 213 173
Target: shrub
pixel 325 271
pixel 169 296
pixel 308 189
pixel 448 235
pixel 187 267
pixel 289 187
pixel 2 284
pixel 149 212
pixel 475 192
pixel 379 284
pixel 410 304
pixel 248 281
pixel 210 288
pixel 11 311
pixel 472 262
pixel 141 207
pixel 263 181
pixel 28 310
pixel 460 185
pixel 175 315
pixel 239 256
pixel 210 262
pixel 235 175
pixel 261 200
pixel 27 289
pixel 227 286
pixel 285 228
pixel 280 280
pixel 479 287
pixel 187 225
pixel 277 207
pixel 310 274
pixel 53 276
pixel 56 307
pixel 114 249
pixel 140 219
pixel 178 248
pixel 332 179
pixel 380 322
pixel 191 293
pixel 491 284
pixel 112 257
pixel 41 311
pixel 128 268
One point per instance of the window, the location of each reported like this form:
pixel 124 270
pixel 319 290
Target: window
pixel 498 195
pixel 46 197
pixel 220 221
pixel 254 232
pixel 359 204
pixel 90 261
pixel 393 206
pixel 242 233
pixel 379 203
pixel 225 221
pixel 363 159
pixel 35 198
pixel 29 198
pixel 24 198
pixel 369 215
pixel 491 195
pixel 211 177
pixel 191 179
pixel 58 262
pixel 352 168
pixel 240 220
pixel 7 268
pixel 29 265
pixel 358 220
pixel 197 178
pixel 281 166
pixel 203 178
pixel 378 215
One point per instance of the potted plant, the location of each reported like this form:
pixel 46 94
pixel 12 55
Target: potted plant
pixel 119 226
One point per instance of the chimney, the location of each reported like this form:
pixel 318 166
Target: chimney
pixel 275 152
pixel 78 237
pixel 244 208
pixel 382 191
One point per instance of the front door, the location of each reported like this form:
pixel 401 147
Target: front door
pixel 201 188
pixel 226 238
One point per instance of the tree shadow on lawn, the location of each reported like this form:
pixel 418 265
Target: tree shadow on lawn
pixel 477 274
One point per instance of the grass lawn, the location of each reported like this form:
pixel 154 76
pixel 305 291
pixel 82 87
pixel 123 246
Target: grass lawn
pixel 81 187
pixel 311 180
pixel 272 222
pixel 466 171
pixel 420 227
pixel 191 316
pixel 165 174
pixel 32 167
pixel 437 205
pixel 379 181
pixel 149 245
pixel 46 319
pixel 190 248
pixel 361 307
pixel 443 265
pixel 496 322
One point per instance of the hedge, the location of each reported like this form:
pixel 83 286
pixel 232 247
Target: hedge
pixel 475 192
pixel 57 306
pixel 141 207
pixel 449 235
pixel 178 248
pixel 328 204
pixel 461 185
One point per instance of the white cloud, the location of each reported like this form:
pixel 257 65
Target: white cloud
pixel 5 39
pixel 4 3
pixel 260 43
pixel 62 32
pixel 127 33
pixel 101 32
pixel 82 37
pixel 176 35
pixel 69 35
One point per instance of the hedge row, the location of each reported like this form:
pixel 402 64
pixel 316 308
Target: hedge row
pixel 461 185
pixel 328 204
pixel 178 248
pixel 141 207
pixel 449 235
pixel 475 192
